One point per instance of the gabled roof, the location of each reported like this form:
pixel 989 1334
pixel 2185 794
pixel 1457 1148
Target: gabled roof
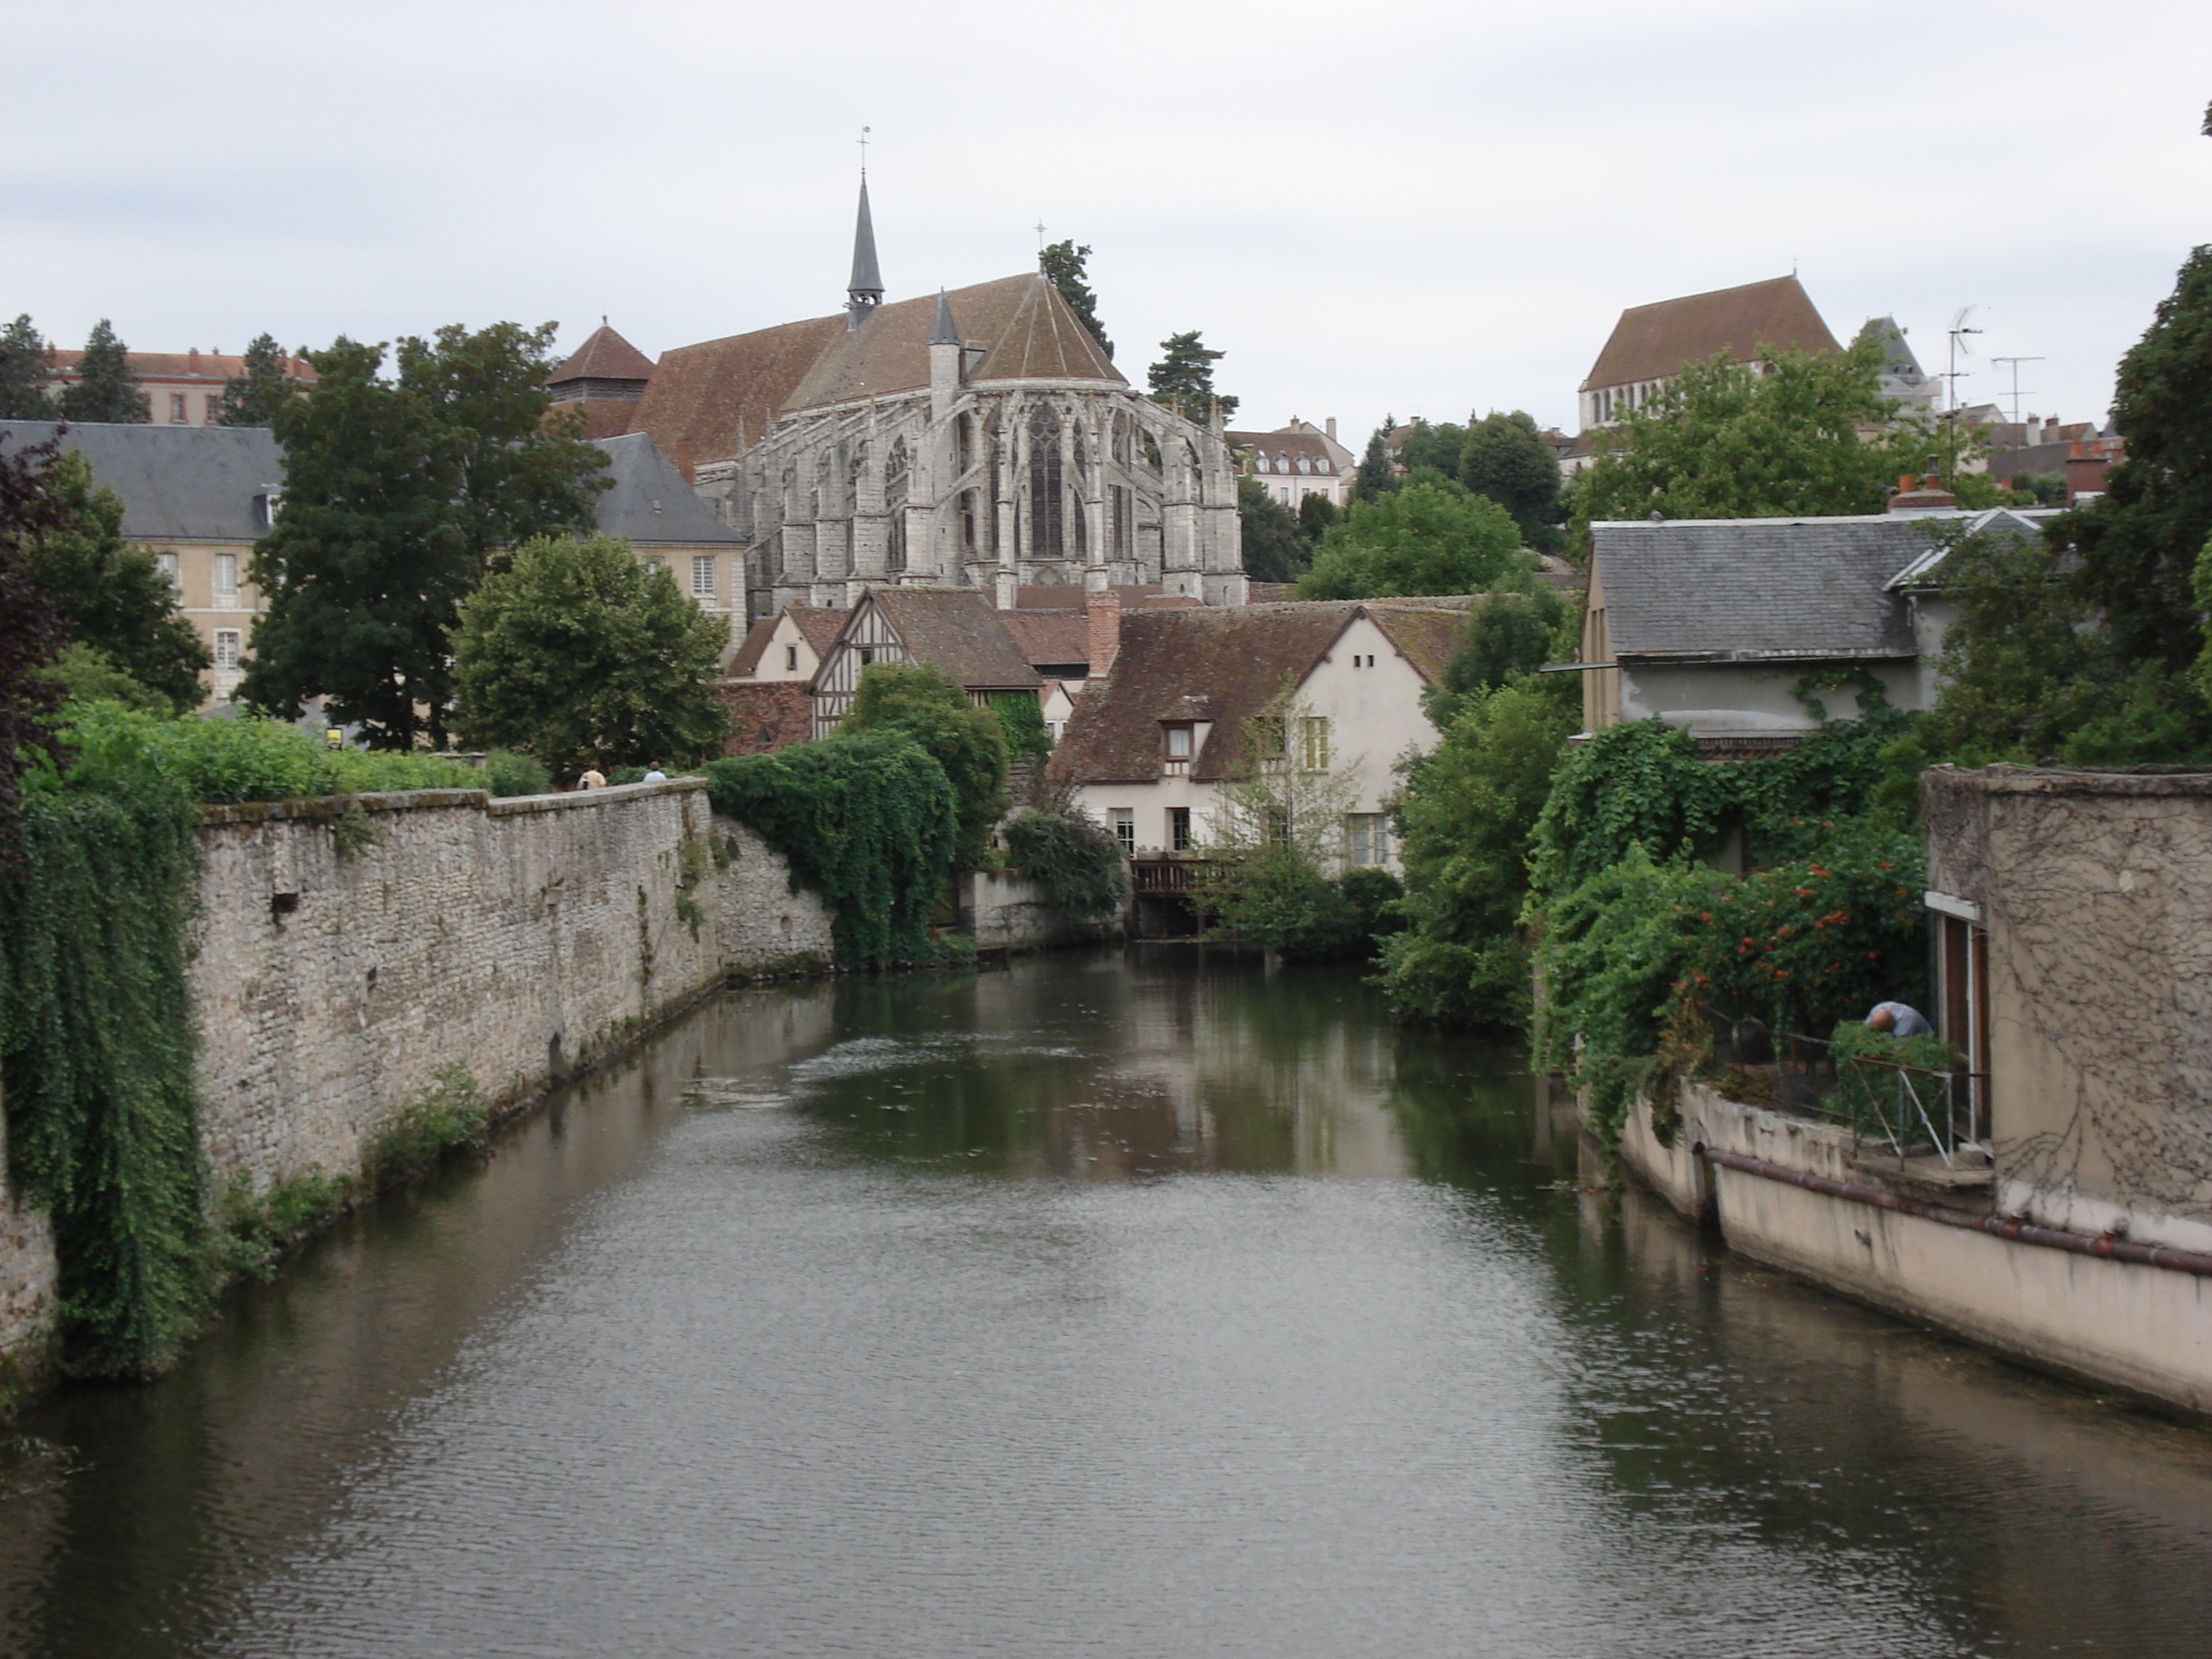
pixel 1224 665
pixel 1926 570
pixel 1756 589
pixel 721 395
pixel 958 630
pixel 1651 343
pixel 649 500
pixel 605 355
pixel 818 625
pixel 178 482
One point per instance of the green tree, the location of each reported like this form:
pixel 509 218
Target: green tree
pixel 921 701
pixel 1506 459
pixel 252 398
pixel 111 591
pixel 1726 440
pixel 106 390
pixel 1376 479
pixel 396 494
pixel 26 363
pixel 581 654
pixel 1064 265
pixel 1435 445
pixel 1183 378
pixel 1272 550
pixel 1316 513
pixel 1424 537
pixel 31 633
pixel 85 675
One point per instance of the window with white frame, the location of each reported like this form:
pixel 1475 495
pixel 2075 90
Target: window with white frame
pixel 177 415
pixel 226 577
pixel 1124 820
pixel 215 408
pixel 225 648
pixel 1179 743
pixel 1179 828
pixel 1313 742
pixel 172 571
pixel 703 577
pixel 1366 838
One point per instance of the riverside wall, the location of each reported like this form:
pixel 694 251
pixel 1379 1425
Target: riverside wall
pixel 344 957
pixel 1007 910
pixel 2126 1325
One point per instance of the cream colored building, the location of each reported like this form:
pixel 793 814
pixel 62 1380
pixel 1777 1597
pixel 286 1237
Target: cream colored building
pixel 182 388
pixel 1298 460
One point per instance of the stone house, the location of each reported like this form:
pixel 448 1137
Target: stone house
pixel 1298 460
pixel 1149 751
pixel 977 438
pixel 182 388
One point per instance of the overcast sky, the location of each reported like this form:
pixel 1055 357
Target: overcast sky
pixel 1417 209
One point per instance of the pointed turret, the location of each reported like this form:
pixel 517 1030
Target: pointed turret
pixel 941 331
pixel 944 357
pixel 866 291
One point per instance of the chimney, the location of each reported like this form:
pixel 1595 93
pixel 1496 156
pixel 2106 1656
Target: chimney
pixel 683 458
pixel 1103 610
pixel 1332 428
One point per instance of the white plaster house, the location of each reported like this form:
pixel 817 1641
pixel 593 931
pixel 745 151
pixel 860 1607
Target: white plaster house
pixel 1298 460
pixel 1149 749
pixel 975 439
pixel 787 645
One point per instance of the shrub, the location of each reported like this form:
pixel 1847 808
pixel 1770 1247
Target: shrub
pixel 508 772
pixel 921 702
pixel 1075 858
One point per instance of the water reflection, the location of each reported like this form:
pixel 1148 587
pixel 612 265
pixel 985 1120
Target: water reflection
pixel 1111 1305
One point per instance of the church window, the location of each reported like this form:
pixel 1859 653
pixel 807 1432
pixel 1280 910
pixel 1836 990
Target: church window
pixel 1047 507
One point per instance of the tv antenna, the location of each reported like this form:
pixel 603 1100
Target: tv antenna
pixel 1960 348
pixel 2016 363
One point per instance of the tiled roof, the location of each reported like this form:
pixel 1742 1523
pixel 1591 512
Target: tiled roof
pixel 959 630
pixel 605 355
pixel 719 395
pixel 1225 664
pixel 752 646
pixel 1042 341
pixel 1040 596
pixel 189 366
pixel 818 625
pixel 1050 636
pixel 604 418
pixel 1651 343
pixel 1290 444
pixel 1750 588
pixel 178 482
pixel 649 500
pixel 764 714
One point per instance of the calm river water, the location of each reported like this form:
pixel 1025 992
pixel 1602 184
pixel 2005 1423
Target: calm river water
pixel 1114 1305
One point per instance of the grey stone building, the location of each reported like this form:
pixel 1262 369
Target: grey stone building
pixel 977 438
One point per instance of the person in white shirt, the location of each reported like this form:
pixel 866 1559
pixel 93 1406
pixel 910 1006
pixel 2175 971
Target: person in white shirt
pixel 1899 1020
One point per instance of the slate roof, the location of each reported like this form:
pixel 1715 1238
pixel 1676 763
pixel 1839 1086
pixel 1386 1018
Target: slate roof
pixel 1225 664
pixel 818 625
pixel 1651 343
pixel 1754 589
pixel 605 355
pixel 959 630
pixel 650 501
pixel 178 482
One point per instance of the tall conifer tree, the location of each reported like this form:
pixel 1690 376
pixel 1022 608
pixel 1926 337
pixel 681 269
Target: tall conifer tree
pixel 106 389
pixel 1063 263
pixel 251 398
pixel 24 367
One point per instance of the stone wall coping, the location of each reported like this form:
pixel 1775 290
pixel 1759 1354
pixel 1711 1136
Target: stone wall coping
pixel 314 807
pixel 2143 780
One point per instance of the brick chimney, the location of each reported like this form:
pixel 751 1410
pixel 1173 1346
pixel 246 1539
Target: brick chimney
pixel 683 458
pixel 1103 610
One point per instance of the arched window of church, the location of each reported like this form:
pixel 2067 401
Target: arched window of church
pixel 1048 506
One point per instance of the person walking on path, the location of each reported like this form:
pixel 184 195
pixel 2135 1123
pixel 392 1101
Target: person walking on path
pixel 593 779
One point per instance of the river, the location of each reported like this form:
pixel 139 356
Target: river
pixel 1114 1304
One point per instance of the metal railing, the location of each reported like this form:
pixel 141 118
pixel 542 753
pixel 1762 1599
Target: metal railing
pixel 1912 1108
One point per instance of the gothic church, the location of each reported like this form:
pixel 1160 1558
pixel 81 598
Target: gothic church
pixel 977 438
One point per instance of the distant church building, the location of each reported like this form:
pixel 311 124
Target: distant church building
pixel 977 438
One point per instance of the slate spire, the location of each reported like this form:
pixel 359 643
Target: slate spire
pixel 941 331
pixel 866 291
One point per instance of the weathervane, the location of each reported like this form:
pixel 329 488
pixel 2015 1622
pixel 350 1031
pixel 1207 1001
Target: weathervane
pixel 863 141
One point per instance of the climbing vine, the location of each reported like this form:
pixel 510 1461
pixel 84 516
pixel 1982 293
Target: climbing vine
pixel 1074 857
pixel 96 1046
pixel 866 821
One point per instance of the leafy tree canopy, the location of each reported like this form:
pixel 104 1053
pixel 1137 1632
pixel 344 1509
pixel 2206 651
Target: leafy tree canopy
pixel 26 363
pixel 397 494
pixel 582 654
pixel 921 702
pixel 1436 446
pixel 1376 477
pixel 1727 440
pixel 106 390
pixel 31 633
pixel 1273 551
pixel 1424 537
pixel 1316 513
pixel 1506 459
pixel 252 398
pixel 1064 266
pixel 1183 378
pixel 110 592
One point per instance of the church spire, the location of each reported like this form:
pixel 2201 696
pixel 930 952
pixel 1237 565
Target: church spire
pixel 866 291
pixel 941 331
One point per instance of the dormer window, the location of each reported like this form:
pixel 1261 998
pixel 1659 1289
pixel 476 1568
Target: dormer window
pixel 1179 743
